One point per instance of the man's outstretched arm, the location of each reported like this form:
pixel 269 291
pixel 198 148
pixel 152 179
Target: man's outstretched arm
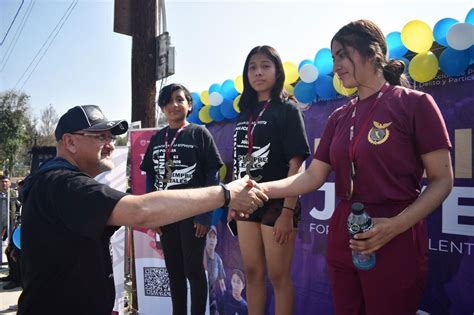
pixel 164 207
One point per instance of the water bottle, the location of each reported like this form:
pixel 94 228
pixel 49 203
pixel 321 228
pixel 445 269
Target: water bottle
pixel 357 222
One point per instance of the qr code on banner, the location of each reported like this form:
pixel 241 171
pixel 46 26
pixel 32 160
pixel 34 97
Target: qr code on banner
pixel 156 281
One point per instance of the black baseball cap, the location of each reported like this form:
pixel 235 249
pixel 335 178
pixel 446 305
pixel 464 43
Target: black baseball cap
pixel 88 117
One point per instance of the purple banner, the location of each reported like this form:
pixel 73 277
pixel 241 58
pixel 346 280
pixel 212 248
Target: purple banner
pixel 451 227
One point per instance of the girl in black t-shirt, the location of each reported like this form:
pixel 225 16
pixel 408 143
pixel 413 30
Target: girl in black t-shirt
pixel 182 155
pixel 269 143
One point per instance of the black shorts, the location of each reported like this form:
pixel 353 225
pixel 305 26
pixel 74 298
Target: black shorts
pixel 269 213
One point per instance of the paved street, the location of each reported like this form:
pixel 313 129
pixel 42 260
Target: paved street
pixel 7 297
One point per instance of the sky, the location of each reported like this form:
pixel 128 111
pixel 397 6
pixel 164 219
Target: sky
pixel 87 63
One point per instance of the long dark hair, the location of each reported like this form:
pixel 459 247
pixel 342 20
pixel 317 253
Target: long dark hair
pixel 165 95
pixel 367 38
pixel 249 96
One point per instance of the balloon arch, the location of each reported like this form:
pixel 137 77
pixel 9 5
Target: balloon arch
pixel 448 47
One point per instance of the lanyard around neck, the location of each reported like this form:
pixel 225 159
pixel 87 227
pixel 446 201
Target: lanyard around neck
pixel 252 124
pixel 168 148
pixel 355 139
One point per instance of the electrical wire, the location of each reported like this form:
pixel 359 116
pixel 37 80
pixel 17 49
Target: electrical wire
pixel 11 24
pixel 60 24
pixel 17 35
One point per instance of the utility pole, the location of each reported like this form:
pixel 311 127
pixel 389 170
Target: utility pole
pixel 144 29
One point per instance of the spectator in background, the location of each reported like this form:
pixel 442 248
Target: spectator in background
pixel 9 195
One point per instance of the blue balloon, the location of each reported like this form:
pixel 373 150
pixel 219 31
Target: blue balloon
pixel 324 87
pixel 228 90
pixel 471 51
pixel 194 117
pixel 216 87
pixel 470 17
pixel 304 92
pixel 227 109
pixel 215 113
pixel 323 61
pixel 304 62
pixel 16 237
pixel 196 98
pixel 441 29
pixel 454 62
pixel 395 46
pixel 197 106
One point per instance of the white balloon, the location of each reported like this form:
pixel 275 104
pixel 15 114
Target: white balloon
pixel 308 73
pixel 216 98
pixel 460 36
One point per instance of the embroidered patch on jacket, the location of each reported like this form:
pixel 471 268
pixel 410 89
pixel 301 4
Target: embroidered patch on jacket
pixel 379 133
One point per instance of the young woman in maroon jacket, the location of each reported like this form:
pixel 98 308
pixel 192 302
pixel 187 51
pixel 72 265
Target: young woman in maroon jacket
pixel 378 145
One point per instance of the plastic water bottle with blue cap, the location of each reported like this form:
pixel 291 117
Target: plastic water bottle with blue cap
pixel 358 222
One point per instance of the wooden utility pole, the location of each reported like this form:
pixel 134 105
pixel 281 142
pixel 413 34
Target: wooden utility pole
pixel 144 31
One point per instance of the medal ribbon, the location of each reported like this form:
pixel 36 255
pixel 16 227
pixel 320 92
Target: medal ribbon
pixel 355 141
pixel 252 124
pixel 168 148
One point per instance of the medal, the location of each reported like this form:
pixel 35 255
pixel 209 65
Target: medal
pixel 249 161
pixel 169 172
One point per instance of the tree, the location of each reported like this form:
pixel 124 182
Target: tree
pixel 49 120
pixel 13 121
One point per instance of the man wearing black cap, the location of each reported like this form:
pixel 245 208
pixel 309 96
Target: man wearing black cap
pixel 68 217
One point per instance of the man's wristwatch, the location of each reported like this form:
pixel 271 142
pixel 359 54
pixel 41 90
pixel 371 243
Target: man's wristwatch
pixel 226 195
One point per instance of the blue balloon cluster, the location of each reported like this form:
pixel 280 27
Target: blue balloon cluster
pixel 321 89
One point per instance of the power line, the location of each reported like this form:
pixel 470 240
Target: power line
pixel 11 24
pixel 17 35
pixel 56 29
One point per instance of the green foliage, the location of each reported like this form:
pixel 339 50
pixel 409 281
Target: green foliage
pixel 14 120
pixel 122 140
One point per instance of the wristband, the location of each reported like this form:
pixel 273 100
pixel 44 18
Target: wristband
pixel 291 209
pixel 226 195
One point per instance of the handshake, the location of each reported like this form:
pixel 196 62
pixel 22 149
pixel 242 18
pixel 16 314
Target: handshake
pixel 246 196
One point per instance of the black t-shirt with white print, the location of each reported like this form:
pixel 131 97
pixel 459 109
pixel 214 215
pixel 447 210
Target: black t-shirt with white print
pixel 66 264
pixel 193 153
pixel 278 136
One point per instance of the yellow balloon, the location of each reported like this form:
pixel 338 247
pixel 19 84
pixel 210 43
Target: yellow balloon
pixel 423 67
pixel 417 36
pixel 204 114
pixel 236 104
pixel 205 97
pixel 291 72
pixel 290 89
pixel 239 83
pixel 340 88
pixel 223 172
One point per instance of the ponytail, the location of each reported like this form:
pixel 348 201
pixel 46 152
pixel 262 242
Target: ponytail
pixel 393 73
